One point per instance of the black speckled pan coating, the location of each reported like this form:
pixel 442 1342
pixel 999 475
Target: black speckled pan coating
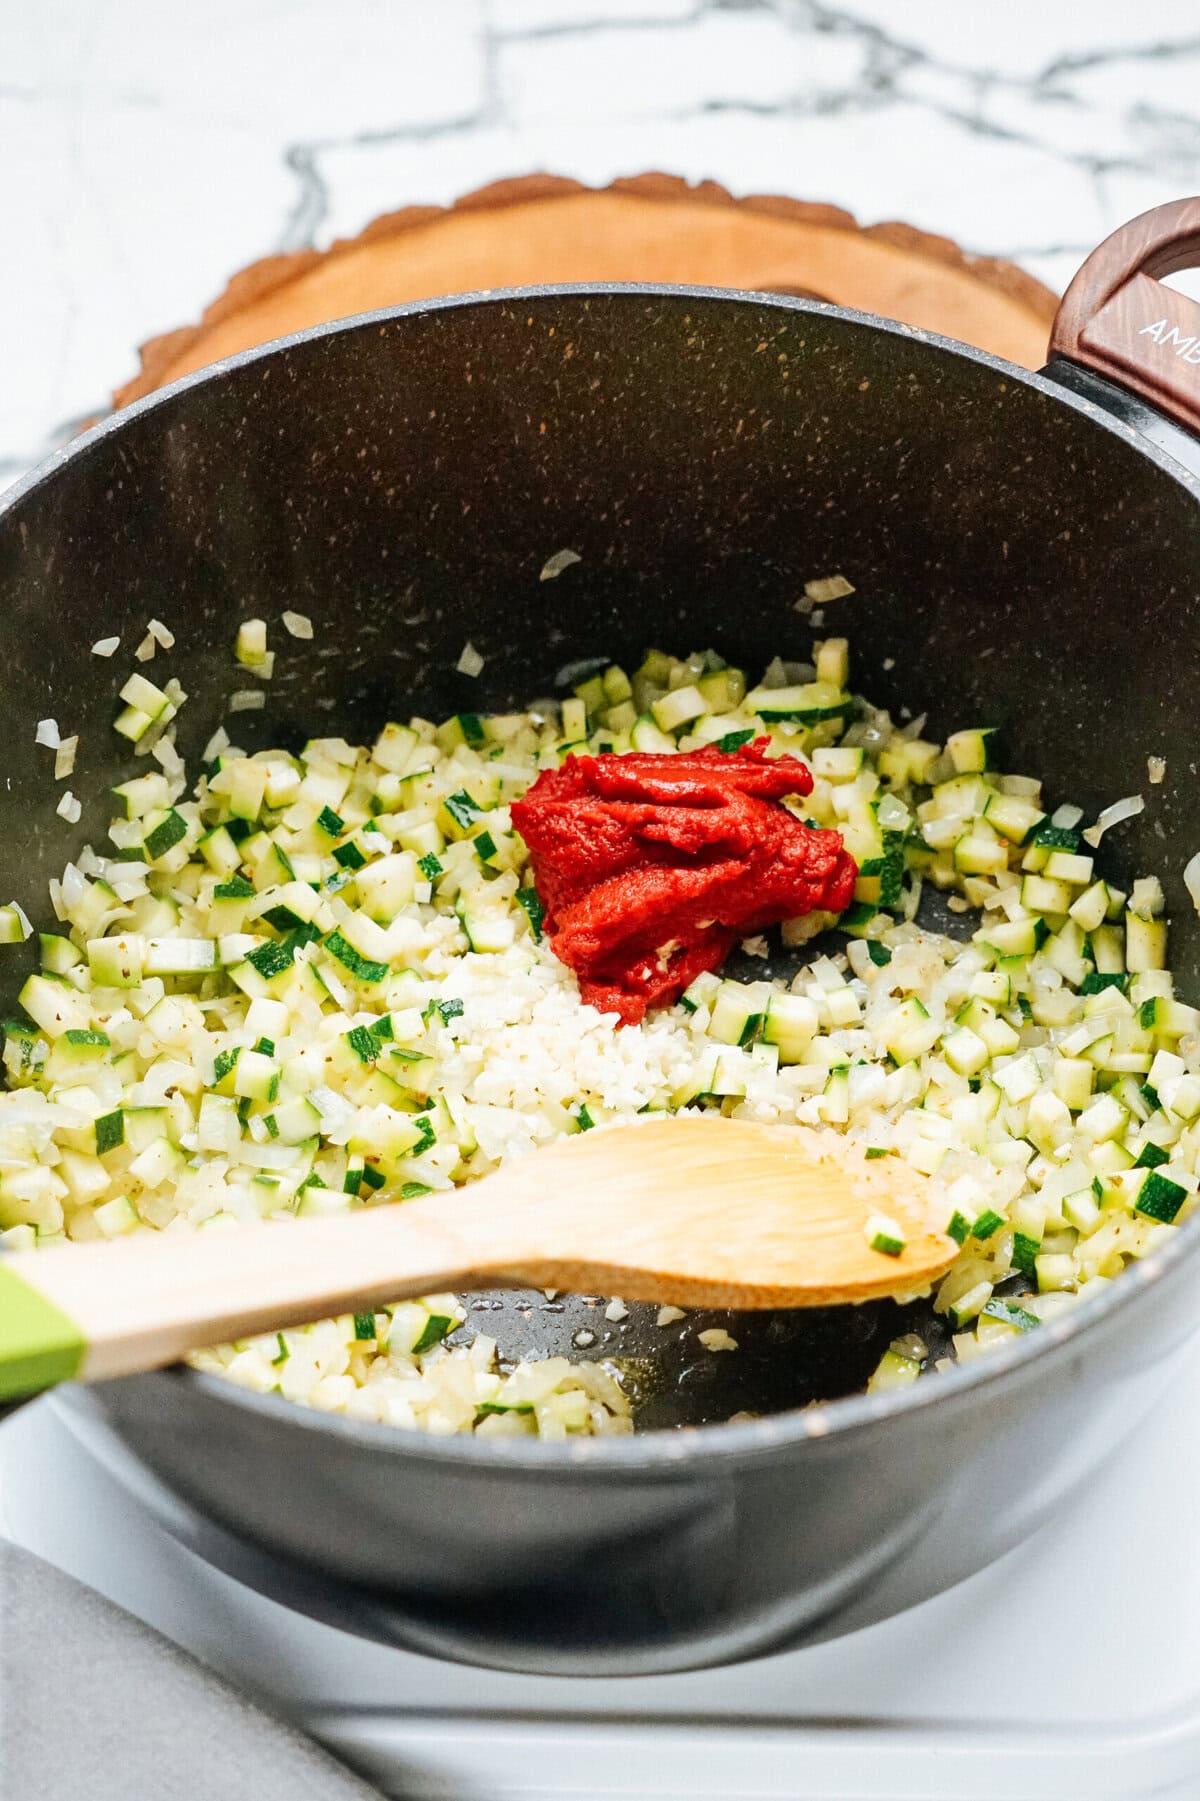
pixel 1022 558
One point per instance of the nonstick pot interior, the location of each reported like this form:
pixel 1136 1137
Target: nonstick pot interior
pixel 1018 561
pixel 405 481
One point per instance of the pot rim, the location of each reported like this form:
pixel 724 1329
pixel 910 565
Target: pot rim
pixel 621 1455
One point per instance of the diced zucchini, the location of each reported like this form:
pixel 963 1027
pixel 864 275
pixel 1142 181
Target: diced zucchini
pixel 832 659
pixel 1145 943
pixel 791 1023
pixel 1068 866
pixel 893 1371
pixel 909 1032
pixel 1040 894
pixel 1108 949
pixel 884 1235
pixel 980 851
pixel 464 728
pixel 54 1006
pixel 965 1051
pixel 837 763
pixel 807 704
pixel 722 689
pixel 968 751
pixel 678 707
pixel 1013 938
pixel 58 954
pixel 702 992
pixel 117 1217
pixel 969 1305
pixel 219 851
pixel 164 829
pixel 394 748
pixel 116 962
pixel 1103 1118
pixel 140 693
pixel 75 1052
pixel 177 956
pixel 160 1162
pixel 646 735
pixel 1073 1078
pixel 738 1012
pixel 488 928
pixel 14 925
pixel 387 885
pixel 1013 816
pixel 256 1077
pixel 1090 910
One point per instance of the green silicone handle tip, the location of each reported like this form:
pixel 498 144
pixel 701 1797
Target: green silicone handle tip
pixel 39 1345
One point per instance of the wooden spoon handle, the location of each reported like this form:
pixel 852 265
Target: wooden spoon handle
pixel 101 1310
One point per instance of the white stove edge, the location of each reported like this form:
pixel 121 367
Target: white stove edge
pixel 1036 1677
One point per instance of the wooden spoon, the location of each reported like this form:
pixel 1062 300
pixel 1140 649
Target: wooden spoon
pixel 700 1212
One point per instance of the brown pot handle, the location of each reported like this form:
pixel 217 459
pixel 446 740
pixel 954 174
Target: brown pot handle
pixel 1117 319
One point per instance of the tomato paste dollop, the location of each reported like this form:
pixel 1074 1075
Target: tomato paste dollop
pixel 651 866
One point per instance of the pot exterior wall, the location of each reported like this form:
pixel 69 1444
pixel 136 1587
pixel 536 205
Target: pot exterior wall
pixel 404 481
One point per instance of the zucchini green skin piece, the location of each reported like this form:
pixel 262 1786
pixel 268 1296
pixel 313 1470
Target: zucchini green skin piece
pixel 39 1345
pixel 433 1332
pixel 1160 1198
pixel 527 899
pixel 1056 837
pixel 810 715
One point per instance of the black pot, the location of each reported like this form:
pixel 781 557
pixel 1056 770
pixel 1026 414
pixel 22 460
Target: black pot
pixel 1024 553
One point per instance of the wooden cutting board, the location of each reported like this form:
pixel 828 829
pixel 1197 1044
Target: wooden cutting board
pixel 547 228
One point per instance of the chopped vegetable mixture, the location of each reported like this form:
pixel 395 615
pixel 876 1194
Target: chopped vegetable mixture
pixel 327 980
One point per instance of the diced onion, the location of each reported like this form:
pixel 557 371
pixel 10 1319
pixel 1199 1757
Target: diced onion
pixel 826 588
pixel 64 758
pixel 299 625
pixel 892 814
pixel 1191 879
pixel 562 559
pixel 247 700
pixel 104 647
pixel 73 885
pixel 1147 899
pixel 166 755
pixel 158 631
pixel 1128 808
pixel 69 808
pixel 47 734
pixel 470 662
pixel 146 648
pixel 1156 769
pixel 717 1339
pixel 1026 785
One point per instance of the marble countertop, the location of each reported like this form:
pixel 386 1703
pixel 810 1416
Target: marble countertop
pixel 148 150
